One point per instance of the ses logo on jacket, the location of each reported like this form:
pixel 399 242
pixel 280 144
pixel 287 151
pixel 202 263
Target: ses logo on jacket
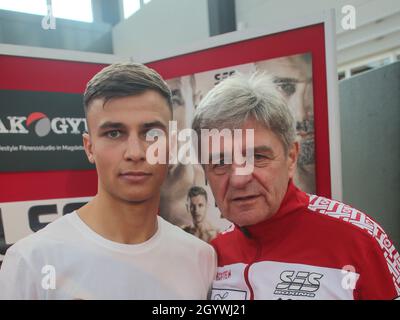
pixel 298 284
pixel 42 125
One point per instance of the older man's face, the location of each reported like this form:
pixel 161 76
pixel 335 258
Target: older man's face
pixel 252 198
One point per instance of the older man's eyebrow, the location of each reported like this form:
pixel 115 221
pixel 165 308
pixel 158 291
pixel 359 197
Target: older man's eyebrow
pixel 260 149
pixel 263 148
pixel 220 155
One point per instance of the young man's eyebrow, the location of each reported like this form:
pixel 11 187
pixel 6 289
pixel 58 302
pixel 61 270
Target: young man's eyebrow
pixel 291 80
pixel 111 125
pixel 286 80
pixel 154 124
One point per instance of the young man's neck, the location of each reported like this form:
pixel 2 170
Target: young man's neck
pixel 121 221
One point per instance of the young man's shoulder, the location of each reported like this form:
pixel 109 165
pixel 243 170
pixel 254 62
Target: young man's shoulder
pixel 176 234
pixel 51 236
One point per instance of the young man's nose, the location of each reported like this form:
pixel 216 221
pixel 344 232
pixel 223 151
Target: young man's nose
pixel 135 149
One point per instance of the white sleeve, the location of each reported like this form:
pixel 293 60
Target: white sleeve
pixel 211 269
pixel 16 278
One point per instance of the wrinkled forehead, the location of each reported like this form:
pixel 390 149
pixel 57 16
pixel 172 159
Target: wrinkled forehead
pixel 253 136
pixel 226 140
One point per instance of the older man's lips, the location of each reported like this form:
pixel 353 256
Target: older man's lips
pixel 245 199
pixel 135 176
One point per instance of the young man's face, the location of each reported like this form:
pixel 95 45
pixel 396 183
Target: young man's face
pixel 251 198
pixel 198 208
pixel 117 144
pixel 293 76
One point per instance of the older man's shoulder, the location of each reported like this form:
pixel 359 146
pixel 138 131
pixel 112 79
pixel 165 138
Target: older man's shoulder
pixel 350 220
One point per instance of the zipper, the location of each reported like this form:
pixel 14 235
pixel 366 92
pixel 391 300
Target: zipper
pixel 246 270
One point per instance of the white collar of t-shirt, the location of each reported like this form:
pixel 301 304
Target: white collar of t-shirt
pixel 86 231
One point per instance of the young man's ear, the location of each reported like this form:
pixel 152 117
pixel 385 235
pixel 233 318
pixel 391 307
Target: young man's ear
pixel 293 154
pixel 87 144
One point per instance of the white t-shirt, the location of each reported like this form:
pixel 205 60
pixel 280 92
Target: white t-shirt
pixel 68 260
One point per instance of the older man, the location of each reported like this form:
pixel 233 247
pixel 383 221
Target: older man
pixel 284 243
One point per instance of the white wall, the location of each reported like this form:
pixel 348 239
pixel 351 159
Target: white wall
pixel 164 26
pixel 161 26
pixel 377 22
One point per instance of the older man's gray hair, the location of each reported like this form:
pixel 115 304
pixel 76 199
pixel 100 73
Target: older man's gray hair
pixel 241 97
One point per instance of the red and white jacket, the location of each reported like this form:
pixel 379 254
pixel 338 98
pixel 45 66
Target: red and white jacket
pixel 312 248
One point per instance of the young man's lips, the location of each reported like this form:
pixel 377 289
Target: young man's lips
pixel 135 176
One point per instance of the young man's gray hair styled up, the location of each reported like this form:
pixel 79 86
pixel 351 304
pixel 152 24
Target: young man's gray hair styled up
pixel 240 97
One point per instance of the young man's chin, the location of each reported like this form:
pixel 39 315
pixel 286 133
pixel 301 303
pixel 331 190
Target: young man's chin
pixel 135 199
pixel 133 196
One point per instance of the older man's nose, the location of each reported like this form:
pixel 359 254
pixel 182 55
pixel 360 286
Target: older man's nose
pixel 239 181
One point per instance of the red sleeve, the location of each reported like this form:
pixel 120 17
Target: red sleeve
pixel 380 275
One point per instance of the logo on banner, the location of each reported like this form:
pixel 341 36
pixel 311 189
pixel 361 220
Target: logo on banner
pixel 40 122
pixel 42 125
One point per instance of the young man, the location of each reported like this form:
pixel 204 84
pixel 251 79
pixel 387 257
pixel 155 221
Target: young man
pixel 197 207
pixel 285 243
pixel 116 246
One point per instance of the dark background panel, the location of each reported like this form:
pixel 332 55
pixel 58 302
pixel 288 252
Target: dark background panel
pixel 53 105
